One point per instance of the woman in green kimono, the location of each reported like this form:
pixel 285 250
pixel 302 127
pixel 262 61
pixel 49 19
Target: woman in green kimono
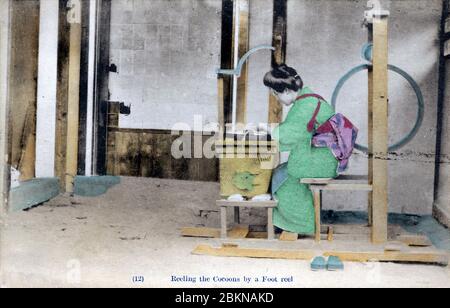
pixel 295 211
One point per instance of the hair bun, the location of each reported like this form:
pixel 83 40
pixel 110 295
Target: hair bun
pixel 283 77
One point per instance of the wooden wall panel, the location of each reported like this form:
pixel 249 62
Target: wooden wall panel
pixel 147 153
pixel 23 85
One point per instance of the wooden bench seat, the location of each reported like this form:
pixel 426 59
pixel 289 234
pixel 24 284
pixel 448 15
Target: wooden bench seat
pixel 342 183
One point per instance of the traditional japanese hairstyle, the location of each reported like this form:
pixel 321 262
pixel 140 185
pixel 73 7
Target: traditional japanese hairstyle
pixel 283 77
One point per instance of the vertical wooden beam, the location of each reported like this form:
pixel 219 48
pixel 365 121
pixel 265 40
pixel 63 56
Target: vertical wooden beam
pixel 84 84
pixel 4 62
pixel 441 98
pixel 441 206
pixel 244 27
pixel 62 93
pixel 279 56
pixel 73 101
pixel 370 136
pixel 226 56
pixel 220 104
pixel 102 85
pixel 23 85
pixel 378 128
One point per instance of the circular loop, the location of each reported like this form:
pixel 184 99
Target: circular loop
pixel 414 85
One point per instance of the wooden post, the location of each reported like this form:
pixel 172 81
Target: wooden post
pixel 102 82
pixel 221 104
pixel 244 16
pixel 279 56
pixel 74 98
pixel 378 130
pixel 62 94
pixel 370 137
pixel 84 88
pixel 441 208
pixel 226 56
pixel 4 57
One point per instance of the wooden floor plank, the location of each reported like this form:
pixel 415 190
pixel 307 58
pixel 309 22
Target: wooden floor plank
pixel 406 256
pixel 200 232
pixel 239 232
pixel 430 257
pixel 253 253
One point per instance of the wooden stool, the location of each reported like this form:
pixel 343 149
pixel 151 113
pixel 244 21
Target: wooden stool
pixel 224 205
pixel 343 183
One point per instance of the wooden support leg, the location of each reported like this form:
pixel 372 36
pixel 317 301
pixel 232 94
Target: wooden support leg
pixel 330 234
pixel 317 204
pixel 223 222
pixel 270 228
pixel 237 216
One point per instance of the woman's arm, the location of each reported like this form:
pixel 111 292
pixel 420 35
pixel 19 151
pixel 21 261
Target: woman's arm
pixel 291 131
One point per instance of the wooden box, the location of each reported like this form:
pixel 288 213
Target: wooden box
pixel 246 166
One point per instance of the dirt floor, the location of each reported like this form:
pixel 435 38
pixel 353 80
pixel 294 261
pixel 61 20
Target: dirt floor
pixel 133 231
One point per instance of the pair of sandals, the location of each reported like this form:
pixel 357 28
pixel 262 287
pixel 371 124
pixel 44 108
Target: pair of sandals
pixel 333 264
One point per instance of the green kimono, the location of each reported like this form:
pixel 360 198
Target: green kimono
pixel 295 211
